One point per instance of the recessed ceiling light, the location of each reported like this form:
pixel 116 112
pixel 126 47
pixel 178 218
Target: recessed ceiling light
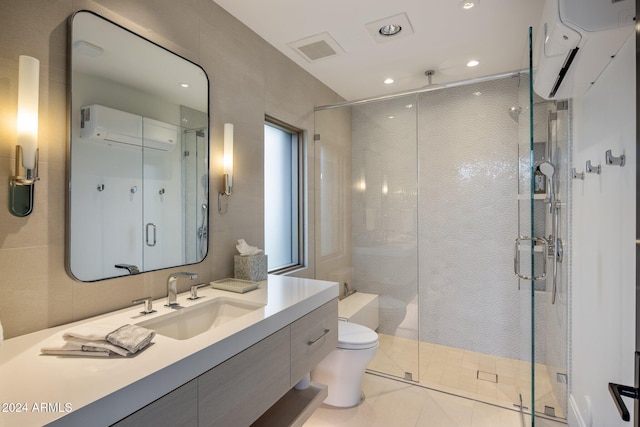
pixel 184 85
pixel 391 117
pixel 472 63
pixel 409 105
pixel 478 93
pixel 390 30
pixel 388 81
pixel 469 4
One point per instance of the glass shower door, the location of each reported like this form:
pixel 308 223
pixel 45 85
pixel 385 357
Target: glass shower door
pixel 546 216
pixel 366 218
pixel 530 247
pixel 550 137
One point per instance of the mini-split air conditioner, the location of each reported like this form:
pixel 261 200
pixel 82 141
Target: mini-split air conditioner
pixel 111 126
pixel 576 41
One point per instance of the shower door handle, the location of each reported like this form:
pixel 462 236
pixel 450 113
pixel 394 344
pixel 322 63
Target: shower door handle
pixel 545 253
pixel 150 226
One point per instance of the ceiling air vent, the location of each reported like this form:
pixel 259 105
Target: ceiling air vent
pixel 317 47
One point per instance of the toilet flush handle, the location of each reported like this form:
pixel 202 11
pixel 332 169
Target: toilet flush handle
pixel 326 331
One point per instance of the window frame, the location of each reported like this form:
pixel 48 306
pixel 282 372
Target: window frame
pixel 297 138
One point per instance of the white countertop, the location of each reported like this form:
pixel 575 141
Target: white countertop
pixel 100 391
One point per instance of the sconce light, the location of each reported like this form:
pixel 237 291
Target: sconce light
pixel 228 166
pixel 21 185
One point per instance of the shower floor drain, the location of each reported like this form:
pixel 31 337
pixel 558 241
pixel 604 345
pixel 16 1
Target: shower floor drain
pixel 487 376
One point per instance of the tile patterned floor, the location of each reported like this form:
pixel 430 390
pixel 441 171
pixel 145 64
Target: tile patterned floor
pixel 465 373
pixel 390 402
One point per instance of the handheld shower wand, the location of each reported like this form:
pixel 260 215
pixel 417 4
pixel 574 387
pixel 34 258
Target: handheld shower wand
pixel 549 170
pixel 202 231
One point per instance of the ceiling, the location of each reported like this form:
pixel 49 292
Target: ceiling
pixel 445 37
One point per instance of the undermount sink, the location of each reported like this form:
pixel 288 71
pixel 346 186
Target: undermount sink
pixel 187 322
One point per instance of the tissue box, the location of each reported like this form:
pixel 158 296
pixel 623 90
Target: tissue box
pixel 251 267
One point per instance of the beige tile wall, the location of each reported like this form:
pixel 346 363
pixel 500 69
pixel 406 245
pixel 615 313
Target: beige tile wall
pixel 248 79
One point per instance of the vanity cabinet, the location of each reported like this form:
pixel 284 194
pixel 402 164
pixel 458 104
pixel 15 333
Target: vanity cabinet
pixel 238 391
pixel 178 408
pixel 255 384
pixel 313 337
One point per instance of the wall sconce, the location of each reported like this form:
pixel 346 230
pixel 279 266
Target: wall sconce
pixel 228 166
pixel 21 185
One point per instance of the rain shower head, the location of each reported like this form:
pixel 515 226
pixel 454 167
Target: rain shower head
pixel 429 74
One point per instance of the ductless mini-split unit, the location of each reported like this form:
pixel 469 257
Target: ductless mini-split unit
pixel 111 126
pixel 576 41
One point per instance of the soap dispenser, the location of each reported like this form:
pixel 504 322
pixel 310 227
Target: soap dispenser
pixel 539 182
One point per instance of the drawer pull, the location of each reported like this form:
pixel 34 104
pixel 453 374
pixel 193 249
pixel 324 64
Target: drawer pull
pixel 326 331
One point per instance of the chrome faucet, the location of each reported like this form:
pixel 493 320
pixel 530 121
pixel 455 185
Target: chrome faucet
pixel 132 269
pixel 172 287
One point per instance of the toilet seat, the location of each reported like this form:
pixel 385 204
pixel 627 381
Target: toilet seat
pixel 352 336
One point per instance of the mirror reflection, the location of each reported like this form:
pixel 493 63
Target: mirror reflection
pixel 138 154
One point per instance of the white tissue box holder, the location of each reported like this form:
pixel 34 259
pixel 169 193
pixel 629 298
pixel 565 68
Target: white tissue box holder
pixel 250 267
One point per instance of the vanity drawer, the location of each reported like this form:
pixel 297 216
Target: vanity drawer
pixel 238 391
pixel 312 338
pixel 178 408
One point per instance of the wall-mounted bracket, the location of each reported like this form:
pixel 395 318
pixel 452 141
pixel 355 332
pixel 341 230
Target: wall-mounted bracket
pixel 589 168
pixel 22 186
pixel 611 160
pixel 576 175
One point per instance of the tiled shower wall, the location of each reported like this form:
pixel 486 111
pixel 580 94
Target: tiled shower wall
pixel 436 221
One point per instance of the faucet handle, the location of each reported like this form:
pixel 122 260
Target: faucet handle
pixel 194 290
pixel 148 304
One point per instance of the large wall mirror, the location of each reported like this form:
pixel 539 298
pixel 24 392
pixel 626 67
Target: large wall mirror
pixel 139 142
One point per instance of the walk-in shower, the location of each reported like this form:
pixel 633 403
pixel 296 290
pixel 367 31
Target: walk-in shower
pixel 196 183
pixel 420 198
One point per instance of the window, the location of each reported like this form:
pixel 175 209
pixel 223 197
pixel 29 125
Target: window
pixel 283 210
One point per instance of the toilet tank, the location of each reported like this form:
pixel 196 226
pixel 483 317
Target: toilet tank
pixel 361 308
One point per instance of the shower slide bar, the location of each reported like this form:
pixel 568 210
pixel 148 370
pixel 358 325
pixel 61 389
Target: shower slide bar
pixel 556 250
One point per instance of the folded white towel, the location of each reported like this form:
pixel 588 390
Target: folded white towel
pixel 77 353
pixel 65 348
pixel 101 338
pixel 91 331
pixel 97 345
pixel 131 338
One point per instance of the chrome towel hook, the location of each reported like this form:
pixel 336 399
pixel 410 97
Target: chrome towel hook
pixel 611 160
pixel 576 175
pixel 589 168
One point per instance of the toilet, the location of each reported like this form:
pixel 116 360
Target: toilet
pixel 343 368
